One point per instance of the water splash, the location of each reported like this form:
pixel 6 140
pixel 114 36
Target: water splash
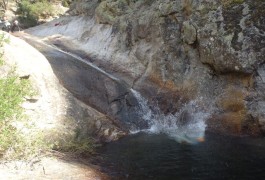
pixel 187 125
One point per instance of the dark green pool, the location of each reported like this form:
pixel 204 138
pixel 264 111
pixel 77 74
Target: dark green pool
pixel 155 156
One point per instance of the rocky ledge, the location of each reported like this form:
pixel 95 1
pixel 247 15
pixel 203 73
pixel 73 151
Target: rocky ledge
pixel 174 52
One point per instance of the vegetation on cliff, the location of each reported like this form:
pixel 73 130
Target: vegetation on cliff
pixel 30 13
pixel 20 137
pixel 13 90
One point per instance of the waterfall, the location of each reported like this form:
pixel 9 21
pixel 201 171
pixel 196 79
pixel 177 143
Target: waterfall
pixel 186 125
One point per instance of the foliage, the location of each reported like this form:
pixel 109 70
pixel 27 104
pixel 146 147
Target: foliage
pixel 71 143
pixel 2 40
pixel 19 137
pixel 7 136
pixel 3 4
pixel 12 93
pixel 231 2
pixel 3 7
pixel 31 12
pixel 16 145
pixel 66 3
pixel 74 146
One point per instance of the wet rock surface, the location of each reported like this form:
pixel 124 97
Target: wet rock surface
pixel 177 51
pixel 94 87
pixel 54 108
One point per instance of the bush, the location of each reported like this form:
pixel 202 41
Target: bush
pixel 19 138
pixel 231 2
pixel 31 12
pixel 12 93
pixel 66 3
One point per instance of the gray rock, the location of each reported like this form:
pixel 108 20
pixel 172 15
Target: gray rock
pixel 175 52
pixel 93 86
pixel 54 112
pixel 189 32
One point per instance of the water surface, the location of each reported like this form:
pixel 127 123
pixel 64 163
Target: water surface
pixel 156 156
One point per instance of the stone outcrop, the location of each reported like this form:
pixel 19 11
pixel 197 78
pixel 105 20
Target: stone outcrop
pixel 102 91
pixel 54 111
pixel 177 51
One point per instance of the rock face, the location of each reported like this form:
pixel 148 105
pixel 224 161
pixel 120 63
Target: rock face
pixel 91 85
pixel 177 51
pixel 54 110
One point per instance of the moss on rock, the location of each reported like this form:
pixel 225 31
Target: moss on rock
pixel 227 3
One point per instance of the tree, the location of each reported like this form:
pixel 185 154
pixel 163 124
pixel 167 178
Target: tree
pixel 3 5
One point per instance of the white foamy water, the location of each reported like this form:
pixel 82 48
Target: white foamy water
pixel 186 125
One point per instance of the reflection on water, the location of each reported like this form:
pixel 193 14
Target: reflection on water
pixel 156 156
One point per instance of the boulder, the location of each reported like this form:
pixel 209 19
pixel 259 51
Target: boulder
pixel 54 110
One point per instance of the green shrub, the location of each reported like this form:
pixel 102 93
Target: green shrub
pixel 14 142
pixel 75 147
pixel 66 3
pixel 231 2
pixel 12 93
pixel 31 12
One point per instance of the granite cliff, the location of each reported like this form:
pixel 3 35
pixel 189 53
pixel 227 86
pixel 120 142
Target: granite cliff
pixel 176 51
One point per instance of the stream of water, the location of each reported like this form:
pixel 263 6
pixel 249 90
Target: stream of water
pixel 186 125
pixel 175 146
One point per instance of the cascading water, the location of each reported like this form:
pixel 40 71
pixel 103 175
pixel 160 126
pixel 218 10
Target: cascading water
pixel 186 125
pixel 155 156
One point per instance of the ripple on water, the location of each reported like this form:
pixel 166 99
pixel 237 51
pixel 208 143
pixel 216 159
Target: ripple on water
pixel 155 156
